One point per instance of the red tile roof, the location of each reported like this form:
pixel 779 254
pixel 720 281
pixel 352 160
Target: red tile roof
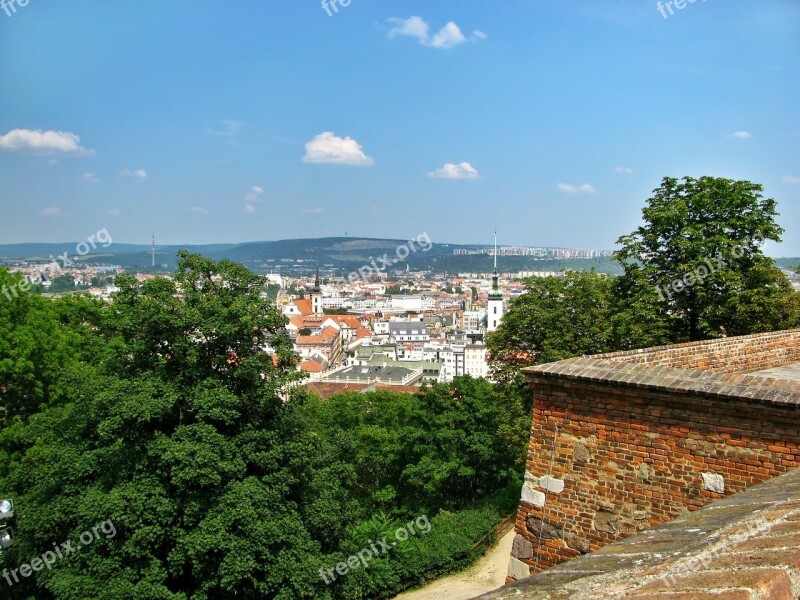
pixel 363 332
pixel 351 320
pixel 311 321
pixel 325 337
pixel 304 306
pixel 310 366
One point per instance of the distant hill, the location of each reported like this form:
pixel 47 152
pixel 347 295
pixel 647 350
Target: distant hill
pixel 336 255
pixel 788 262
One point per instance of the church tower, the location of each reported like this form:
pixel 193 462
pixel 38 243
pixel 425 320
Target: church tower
pixel 495 305
pixel 316 296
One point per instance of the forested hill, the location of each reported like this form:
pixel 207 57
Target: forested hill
pixel 336 253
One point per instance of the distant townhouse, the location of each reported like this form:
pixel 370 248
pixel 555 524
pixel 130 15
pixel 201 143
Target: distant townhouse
pixel 476 361
pixel 408 331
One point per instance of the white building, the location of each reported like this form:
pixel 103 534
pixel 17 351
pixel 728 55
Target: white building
pixel 408 331
pixel 316 296
pixel 407 303
pixel 475 362
pixel 474 319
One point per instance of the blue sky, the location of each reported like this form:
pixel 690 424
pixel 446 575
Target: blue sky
pixel 550 120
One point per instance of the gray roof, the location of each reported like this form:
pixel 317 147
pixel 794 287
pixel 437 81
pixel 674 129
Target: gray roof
pixel 407 328
pixel 368 373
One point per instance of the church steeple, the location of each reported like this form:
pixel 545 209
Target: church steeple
pixel 316 296
pixel 495 307
pixel 495 277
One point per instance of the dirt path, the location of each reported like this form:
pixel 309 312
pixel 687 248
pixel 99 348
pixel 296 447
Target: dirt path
pixel 488 574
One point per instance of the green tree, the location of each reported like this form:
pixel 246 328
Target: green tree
pixel 556 318
pixel 40 340
pixel 62 283
pixel 182 434
pixel 700 248
pixel 639 319
pixel 449 445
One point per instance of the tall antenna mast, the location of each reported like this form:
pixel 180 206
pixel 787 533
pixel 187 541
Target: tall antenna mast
pixel 153 261
pixel 495 251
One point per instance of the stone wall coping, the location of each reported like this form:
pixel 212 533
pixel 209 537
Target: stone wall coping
pixel 763 389
pixel 699 345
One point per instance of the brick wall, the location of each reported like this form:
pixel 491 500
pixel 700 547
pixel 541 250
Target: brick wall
pixel 740 354
pixel 744 547
pixel 618 447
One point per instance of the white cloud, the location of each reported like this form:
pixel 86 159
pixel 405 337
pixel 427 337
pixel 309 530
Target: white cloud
pixel 327 148
pixel 313 211
pixel 414 26
pixel 741 135
pixel 46 142
pixel 254 195
pixel 791 180
pixel 89 178
pixel 624 170
pixel 50 211
pixel 448 36
pixel 138 174
pixel 586 188
pixel 462 170
pixel 115 212
pixel 199 209
pixel 249 208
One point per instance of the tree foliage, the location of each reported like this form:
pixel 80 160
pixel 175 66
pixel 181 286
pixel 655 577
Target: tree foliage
pixel 700 247
pixel 179 435
pixel 556 318
pixel 695 269
pixel 169 413
pixel 431 451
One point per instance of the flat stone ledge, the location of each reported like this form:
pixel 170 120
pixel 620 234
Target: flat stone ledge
pixel 766 390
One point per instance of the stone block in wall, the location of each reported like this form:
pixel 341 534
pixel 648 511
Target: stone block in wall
pixel 532 496
pixel 551 484
pixel 531 479
pixel 582 455
pixel 606 521
pixel 544 530
pixel 521 548
pixel 518 569
pixel 713 482
pixel 578 543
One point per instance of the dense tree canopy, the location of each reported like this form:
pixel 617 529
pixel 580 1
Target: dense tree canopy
pixel 172 413
pixel 430 451
pixel 695 269
pixel 177 433
pixel 700 247
pixel 557 318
